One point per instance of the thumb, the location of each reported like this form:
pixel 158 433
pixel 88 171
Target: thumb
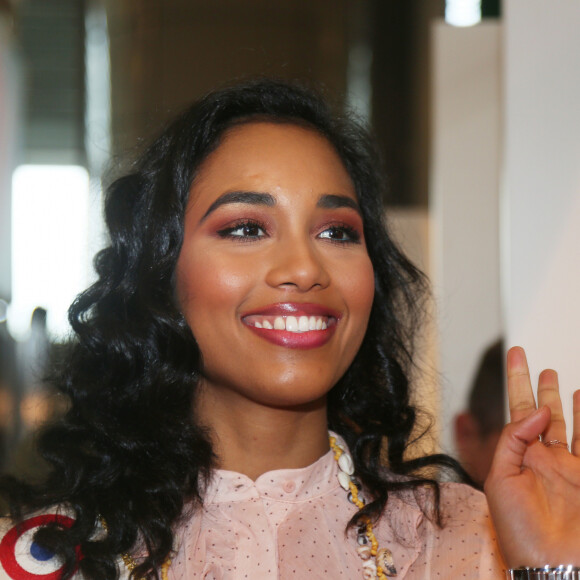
pixel 514 441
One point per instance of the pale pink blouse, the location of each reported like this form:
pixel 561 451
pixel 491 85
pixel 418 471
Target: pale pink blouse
pixel 291 524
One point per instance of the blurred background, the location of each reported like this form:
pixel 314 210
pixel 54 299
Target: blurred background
pixel 85 83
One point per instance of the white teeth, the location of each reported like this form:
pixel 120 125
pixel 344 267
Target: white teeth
pixel 292 323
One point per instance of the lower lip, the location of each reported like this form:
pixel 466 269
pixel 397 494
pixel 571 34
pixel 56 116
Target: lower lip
pixel 302 340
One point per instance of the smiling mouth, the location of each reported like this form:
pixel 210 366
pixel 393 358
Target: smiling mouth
pixel 294 325
pixel 297 324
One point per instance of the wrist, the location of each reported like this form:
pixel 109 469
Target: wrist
pixel 545 573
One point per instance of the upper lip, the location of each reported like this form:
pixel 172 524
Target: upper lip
pixel 293 309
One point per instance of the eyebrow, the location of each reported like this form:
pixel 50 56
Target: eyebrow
pixel 333 201
pixel 249 197
pixel 326 201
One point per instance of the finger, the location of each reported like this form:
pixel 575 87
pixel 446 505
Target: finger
pixel 514 441
pixel 549 395
pixel 520 393
pixel 575 447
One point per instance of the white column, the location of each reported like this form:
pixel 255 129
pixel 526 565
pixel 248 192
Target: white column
pixel 541 188
pixel 464 204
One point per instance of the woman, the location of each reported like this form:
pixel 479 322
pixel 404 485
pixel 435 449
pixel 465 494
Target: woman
pixel 249 302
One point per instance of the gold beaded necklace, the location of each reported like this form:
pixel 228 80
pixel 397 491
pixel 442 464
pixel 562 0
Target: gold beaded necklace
pixel 377 563
pixel 130 562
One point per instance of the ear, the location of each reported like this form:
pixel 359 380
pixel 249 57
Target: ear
pixel 466 430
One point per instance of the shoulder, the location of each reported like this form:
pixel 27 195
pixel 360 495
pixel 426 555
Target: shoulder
pixel 451 496
pixel 467 529
pixel 457 499
pixel 454 498
pixel 461 544
pixel 458 504
pixel 20 556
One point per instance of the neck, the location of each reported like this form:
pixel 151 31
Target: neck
pixel 253 439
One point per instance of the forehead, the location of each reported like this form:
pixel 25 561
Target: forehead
pixel 272 157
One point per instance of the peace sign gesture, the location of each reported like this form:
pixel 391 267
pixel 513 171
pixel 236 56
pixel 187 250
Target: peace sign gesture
pixel 533 488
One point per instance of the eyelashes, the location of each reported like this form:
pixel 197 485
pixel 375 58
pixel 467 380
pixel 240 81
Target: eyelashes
pixel 342 234
pixel 244 231
pixel 250 230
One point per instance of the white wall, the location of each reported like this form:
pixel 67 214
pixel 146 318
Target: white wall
pixel 464 204
pixel 525 128
pixel 541 189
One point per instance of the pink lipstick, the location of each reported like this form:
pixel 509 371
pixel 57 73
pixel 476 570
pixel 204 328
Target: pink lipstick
pixel 293 325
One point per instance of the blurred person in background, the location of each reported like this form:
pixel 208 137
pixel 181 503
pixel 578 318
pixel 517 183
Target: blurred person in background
pixel 478 429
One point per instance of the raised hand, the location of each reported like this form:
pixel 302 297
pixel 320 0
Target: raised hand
pixel 533 488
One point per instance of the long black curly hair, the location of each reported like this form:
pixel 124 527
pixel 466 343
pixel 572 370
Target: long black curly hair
pixel 128 448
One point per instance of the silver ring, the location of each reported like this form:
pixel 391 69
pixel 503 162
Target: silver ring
pixel 556 443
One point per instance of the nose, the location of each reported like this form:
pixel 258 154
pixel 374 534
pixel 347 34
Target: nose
pixel 298 264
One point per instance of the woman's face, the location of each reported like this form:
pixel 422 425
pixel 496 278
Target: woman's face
pixel 273 277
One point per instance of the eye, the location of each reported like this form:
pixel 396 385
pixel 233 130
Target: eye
pixel 243 230
pixel 341 233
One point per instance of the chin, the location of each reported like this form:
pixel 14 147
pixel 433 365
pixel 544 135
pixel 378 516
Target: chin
pixel 292 398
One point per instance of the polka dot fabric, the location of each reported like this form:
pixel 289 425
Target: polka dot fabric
pixel 290 524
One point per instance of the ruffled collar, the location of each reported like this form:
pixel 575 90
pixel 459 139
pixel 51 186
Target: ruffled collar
pixel 292 485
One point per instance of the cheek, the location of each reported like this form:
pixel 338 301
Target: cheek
pixel 361 289
pixel 208 284
pixel 358 290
